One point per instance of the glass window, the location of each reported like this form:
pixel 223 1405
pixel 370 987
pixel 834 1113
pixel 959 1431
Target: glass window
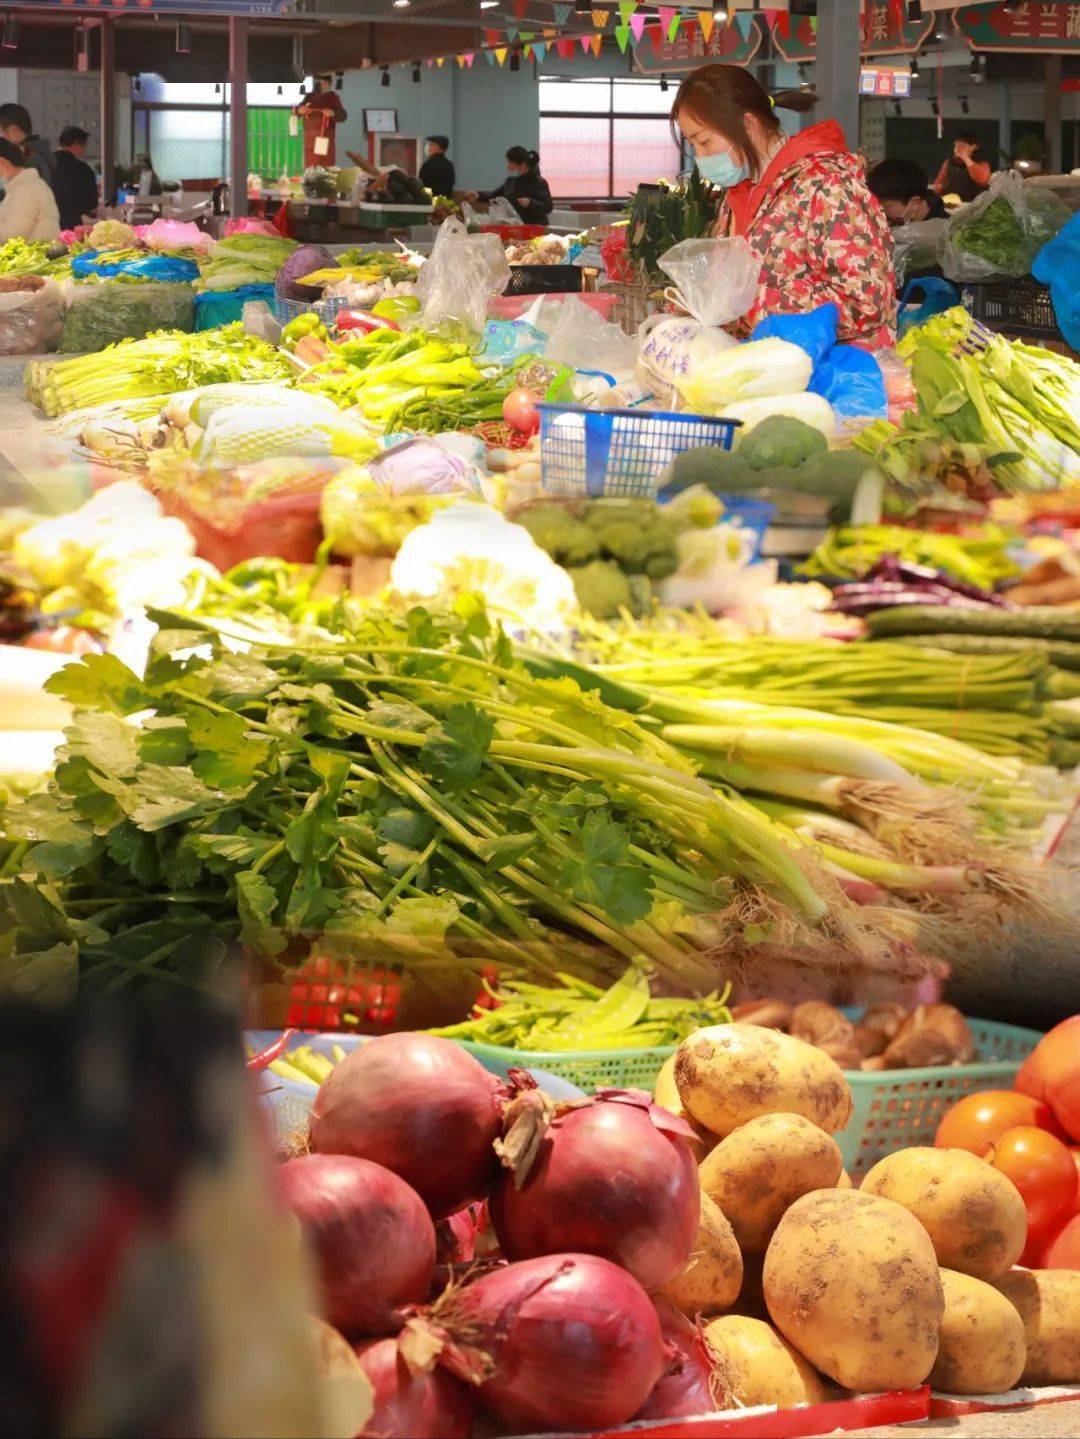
pixel 641 97
pixel 574 154
pixel 189 144
pixel 569 96
pixel 643 151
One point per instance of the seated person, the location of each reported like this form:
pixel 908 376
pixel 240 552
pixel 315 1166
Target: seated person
pixel 903 192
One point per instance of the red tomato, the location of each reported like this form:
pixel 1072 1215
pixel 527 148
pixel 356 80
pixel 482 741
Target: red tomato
pixel 1044 1172
pixel 1063 1251
pixel 1052 1073
pixel 978 1121
pixel 520 412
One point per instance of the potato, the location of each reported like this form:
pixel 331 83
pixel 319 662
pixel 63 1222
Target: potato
pixel 712 1279
pixel 1048 1302
pixel 756 1366
pixel 667 1096
pixel 730 1073
pixel 762 1167
pixel 982 1347
pixel 852 1281
pixel 972 1212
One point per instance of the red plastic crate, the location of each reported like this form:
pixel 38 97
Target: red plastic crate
pixel 510 234
pixel 325 999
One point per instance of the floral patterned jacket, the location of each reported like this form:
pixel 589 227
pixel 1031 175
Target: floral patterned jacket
pixel 821 236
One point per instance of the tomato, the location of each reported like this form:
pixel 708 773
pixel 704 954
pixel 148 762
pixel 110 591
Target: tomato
pixel 1063 1251
pixel 979 1120
pixel 520 412
pixel 1044 1172
pixel 1052 1073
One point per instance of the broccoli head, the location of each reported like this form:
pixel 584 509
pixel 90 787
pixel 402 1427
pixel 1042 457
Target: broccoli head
pixel 721 471
pixel 602 589
pixel 636 534
pixel 780 442
pixel 559 534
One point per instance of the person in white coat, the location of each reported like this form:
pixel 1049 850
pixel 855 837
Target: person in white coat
pixel 28 209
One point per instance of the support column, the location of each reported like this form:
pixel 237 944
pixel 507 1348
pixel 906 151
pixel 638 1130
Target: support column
pixel 838 34
pixel 238 131
pixel 1052 114
pixel 107 100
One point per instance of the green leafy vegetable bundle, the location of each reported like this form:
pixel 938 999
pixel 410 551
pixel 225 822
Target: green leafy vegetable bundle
pixel 415 794
pixel 105 313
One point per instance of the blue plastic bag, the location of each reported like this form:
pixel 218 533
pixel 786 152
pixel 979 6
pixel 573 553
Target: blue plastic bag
pixel 505 340
pixel 937 297
pixel 813 330
pixel 1058 265
pixel 852 382
pixel 169 269
pixel 222 307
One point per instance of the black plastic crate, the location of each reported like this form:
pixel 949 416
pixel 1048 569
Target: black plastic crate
pixel 544 280
pixel 1014 307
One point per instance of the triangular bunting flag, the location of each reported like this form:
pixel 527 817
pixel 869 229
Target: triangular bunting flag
pixel 540 50
pixel 550 34
pixel 665 13
pixel 489 56
pixel 771 17
pixel 585 41
pixel 597 44
pixel 441 61
pixel 565 47
pixel 689 30
pixel 673 28
pixel 626 9
pixel 656 35
pixel 460 61
pixel 500 54
pixel 622 35
pixel 813 24
pixel 526 34
pixel 745 23
pixel 520 7
pixel 527 51
pixel 429 62
pixel 562 13
pixel 637 25
pixel 512 33
pixel 492 36
pixel 469 58
pixel 600 19
pixel 706 21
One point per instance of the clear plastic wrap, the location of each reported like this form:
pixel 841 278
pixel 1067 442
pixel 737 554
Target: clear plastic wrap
pixel 461 274
pixel 916 247
pixel 584 340
pixel 984 242
pixel 31 315
pixel 102 314
pixel 499 212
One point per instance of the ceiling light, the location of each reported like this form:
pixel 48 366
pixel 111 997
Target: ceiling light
pixel 914 67
pixel 10 39
pixel 488 4
pixel 402 4
pixel 384 79
pixel 183 38
pixel 720 14
pixel 663 84
pixel 897 109
pixel 935 109
pixel 977 69
pixel 416 72
pixel 804 81
pixel 280 90
pixel 965 108
pixel 217 88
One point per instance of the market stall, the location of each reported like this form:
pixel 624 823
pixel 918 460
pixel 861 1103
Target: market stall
pixel 607 902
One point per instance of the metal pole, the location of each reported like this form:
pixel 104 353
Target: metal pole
pixel 107 101
pixel 838 32
pixel 1052 114
pixel 238 136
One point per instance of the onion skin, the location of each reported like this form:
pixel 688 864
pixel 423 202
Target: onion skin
pixel 616 1178
pixel 373 1240
pixel 689 1386
pixel 420 1106
pixel 413 1404
pixel 573 1342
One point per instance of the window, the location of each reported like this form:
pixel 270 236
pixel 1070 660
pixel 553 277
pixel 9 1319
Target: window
pixel 185 128
pixel 603 138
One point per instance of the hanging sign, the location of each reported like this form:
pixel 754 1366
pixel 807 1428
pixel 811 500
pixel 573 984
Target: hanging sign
pixel 190 8
pixel 1044 29
pixel 877 81
pixel 795 36
pixel 688 50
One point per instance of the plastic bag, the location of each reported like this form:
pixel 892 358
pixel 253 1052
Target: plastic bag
pixel 584 340
pixel 716 281
pixel 462 272
pixel 936 295
pixel 505 340
pixel 103 314
pixel 1058 265
pixel 165 234
pixel 168 269
pixel 260 321
pixel 812 330
pixel 221 307
pixel 852 382
pixel 499 212
pixel 999 234
pixel 916 246
pixel 31 315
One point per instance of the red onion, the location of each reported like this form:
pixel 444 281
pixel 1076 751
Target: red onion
pixel 419 1105
pixel 568 1341
pixel 413 1403
pixel 615 1177
pixel 374 1241
pixel 688 1385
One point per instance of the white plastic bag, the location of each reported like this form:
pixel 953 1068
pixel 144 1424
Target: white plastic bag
pixel 583 339
pixel 461 274
pixel 1038 214
pixel 31 315
pixel 716 282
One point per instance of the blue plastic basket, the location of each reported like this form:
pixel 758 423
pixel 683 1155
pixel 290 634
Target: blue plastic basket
pixel 753 515
pixel 618 452
pixel 327 310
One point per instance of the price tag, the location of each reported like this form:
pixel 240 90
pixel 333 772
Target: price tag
pixel 321 145
pixel 294 126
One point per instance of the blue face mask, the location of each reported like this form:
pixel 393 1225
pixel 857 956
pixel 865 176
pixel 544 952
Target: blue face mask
pixel 721 170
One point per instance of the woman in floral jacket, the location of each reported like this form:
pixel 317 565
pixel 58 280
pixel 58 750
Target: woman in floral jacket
pixel 801 202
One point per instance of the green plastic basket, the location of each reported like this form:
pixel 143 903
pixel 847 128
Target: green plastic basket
pixel 899 1108
pixel 588 1069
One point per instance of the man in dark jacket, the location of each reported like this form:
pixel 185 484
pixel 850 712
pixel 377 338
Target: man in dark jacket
pixel 437 171
pixel 74 182
pixel 17 126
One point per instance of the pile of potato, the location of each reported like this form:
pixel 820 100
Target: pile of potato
pixel 803 1281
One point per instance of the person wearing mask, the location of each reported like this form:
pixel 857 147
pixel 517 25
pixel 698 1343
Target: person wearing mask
pixel 28 210
pixel 524 187
pixel 962 174
pixel 900 188
pixel 437 171
pixel 74 182
pixel 17 126
pixel 800 201
pixel 322 112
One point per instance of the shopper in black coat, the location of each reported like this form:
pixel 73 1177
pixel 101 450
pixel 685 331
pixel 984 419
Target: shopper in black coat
pixel 524 186
pixel 437 171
